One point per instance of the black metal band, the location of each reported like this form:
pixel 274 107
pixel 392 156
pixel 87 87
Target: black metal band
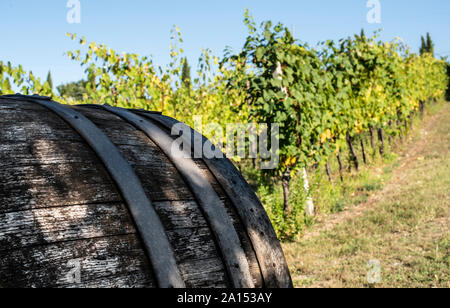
pixel 213 208
pixel 146 219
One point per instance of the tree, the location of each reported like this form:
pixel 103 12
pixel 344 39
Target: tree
pixel 430 44
pixel 423 46
pixel 363 35
pixel 427 45
pixel 73 90
pixel 50 80
pixel 186 74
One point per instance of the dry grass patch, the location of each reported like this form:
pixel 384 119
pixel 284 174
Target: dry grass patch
pixel 405 226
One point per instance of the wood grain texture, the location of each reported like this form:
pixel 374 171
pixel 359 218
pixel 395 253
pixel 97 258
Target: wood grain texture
pixel 61 224
pixel 211 205
pixel 158 174
pixel 47 229
pixel 117 261
pixel 257 225
pixel 233 216
pixel 60 207
pixel 57 192
pixel 42 186
pixel 148 224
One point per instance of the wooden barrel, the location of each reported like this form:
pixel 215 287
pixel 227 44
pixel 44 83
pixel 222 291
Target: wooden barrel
pixel 93 196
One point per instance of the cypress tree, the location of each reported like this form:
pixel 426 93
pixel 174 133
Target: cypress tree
pixel 427 45
pixel 423 47
pixel 430 44
pixel 363 35
pixel 49 80
pixel 186 74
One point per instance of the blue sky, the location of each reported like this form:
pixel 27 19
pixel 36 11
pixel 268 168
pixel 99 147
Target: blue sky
pixel 32 33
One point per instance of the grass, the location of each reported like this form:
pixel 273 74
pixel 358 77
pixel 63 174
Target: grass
pixel 396 212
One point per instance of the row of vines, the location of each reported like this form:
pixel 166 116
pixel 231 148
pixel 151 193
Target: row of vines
pixel 327 99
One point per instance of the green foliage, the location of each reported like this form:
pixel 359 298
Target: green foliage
pixel 132 81
pixel 73 90
pixel 319 96
pixel 427 45
pixel 50 80
pixel 430 44
pixel 286 83
pixel 6 85
pixel 186 74
pixel 287 227
pixel 448 87
pixel 423 46
pixel 15 76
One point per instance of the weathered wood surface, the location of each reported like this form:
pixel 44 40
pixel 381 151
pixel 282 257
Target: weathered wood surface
pixel 43 186
pixel 268 250
pixel 59 227
pixel 147 222
pixel 59 205
pixel 117 261
pixel 212 206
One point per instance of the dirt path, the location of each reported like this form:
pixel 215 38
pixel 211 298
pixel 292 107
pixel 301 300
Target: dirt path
pixel 404 229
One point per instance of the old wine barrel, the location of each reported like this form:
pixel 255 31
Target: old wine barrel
pixel 92 196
